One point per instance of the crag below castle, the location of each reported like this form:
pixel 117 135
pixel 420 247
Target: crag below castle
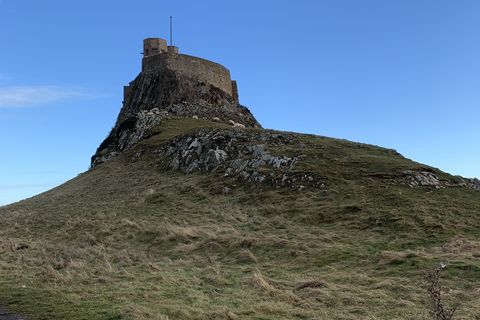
pixel 173 85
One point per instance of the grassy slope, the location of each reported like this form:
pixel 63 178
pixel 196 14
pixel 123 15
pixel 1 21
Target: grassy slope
pixel 129 240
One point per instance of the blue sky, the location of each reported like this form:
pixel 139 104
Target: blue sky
pixel 403 74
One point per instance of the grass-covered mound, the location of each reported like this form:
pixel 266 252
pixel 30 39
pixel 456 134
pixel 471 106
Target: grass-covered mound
pixel 134 239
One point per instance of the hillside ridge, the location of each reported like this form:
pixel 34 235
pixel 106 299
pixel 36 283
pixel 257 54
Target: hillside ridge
pixel 192 210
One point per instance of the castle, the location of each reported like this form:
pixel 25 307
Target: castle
pixel 171 86
pixel 158 57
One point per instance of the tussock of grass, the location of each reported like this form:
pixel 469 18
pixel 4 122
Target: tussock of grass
pixel 260 282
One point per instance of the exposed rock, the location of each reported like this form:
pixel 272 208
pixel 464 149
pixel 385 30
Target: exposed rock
pixel 472 183
pixel 226 190
pixel 239 125
pixel 155 97
pixel 237 154
pixel 430 179
pixel 422 178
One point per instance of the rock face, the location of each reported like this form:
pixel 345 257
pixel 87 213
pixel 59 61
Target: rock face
pixel 422 178
pixel 430 179
pixel 154 97
pixel 474 183
pixel 470 183
pixel 238 154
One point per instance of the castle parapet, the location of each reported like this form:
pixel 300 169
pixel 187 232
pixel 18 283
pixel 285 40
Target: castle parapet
pixel 192 67
pixel 159 57
pixel 172 49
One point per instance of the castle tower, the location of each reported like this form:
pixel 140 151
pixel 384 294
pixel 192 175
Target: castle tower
pixel 154 46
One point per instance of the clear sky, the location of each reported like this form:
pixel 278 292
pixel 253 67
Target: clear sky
pixel 403 74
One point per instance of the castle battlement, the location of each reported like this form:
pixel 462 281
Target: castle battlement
pixel 158 57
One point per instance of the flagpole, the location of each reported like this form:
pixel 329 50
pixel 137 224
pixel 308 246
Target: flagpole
pixel 171 37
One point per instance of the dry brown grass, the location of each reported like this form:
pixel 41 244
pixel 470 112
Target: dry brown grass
pixel 130 241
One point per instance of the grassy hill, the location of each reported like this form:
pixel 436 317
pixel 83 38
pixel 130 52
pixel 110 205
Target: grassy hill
pixel 135 239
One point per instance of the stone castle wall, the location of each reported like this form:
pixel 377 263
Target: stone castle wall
pixel 193 67
pixel 153 46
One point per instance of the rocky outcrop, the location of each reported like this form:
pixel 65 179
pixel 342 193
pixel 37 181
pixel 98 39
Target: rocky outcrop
pixel 422 178
pixel 238 154
pixel 473 183
pixel 155 97
pixel 469 183
pixel 430 179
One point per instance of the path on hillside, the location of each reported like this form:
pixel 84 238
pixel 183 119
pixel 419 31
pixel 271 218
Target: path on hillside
pixel 4 315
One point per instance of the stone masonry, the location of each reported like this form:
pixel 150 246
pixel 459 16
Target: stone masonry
pixel 159 58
